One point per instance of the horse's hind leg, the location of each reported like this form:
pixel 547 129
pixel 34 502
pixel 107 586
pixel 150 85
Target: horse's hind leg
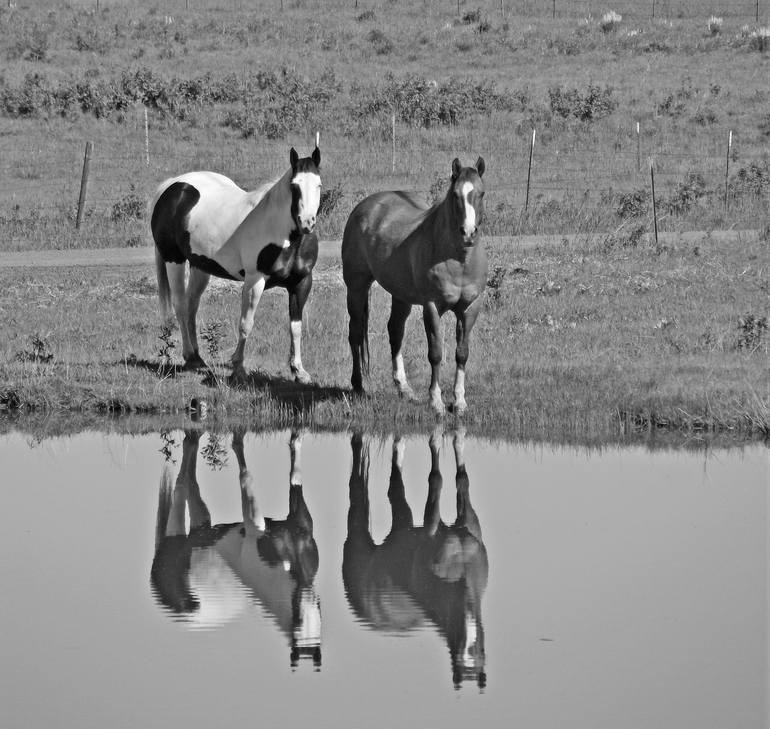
pixel 196 285
pixel 297 298
pixel 176 279
pixel 398 315
pixel 358 310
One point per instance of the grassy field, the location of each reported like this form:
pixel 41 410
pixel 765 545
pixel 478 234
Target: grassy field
pixel 608 332
pixel 230 86
pixel 581 340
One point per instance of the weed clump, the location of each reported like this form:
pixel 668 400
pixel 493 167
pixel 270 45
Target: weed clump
pixel 752 329
pixel 610 21
pixel 595 103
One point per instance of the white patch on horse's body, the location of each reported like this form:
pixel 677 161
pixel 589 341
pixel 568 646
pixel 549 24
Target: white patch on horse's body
pixel 460 405
pixel 469 224
pixel 310 188
pixel 221 209
pixel 295 355
pixel 399 375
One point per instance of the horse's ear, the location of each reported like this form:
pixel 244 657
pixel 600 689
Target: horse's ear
pixel 293 157
pixel 316 157
pixel 480 166
pixel 456 167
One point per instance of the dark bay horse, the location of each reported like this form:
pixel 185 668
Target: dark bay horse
pixel 264 238
pixel 208 574
pixel 431 256
pixel 436 572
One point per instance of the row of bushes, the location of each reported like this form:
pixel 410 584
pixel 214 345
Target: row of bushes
pixel 272 103
pixel 751 181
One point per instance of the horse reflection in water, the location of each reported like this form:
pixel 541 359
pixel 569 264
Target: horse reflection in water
pixel 209 575
pixel 435 571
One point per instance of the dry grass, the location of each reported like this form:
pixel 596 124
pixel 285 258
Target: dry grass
pixel 586 337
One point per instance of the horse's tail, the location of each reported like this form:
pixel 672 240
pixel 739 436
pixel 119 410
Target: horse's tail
pixel 164 288
pixel 164 503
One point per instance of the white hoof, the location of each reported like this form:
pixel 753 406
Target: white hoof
pixel 301 376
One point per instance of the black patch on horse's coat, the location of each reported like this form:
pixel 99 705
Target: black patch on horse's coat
pixel 169 221
pixel 208 265
pixel 169 229
pixel 286 267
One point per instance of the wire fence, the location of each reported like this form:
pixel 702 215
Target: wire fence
pixel 49 182
pixel 750 10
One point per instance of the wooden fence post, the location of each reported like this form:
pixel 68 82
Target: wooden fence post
pixel 529 169
pixel 727 164
pixel 654 204
pixel 84 183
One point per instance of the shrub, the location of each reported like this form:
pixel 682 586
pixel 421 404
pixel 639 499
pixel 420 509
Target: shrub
pixel 633 204
pixel 714 25
pixel 686 194
pixel 330 198
pixel 593 104
pixel 751 330
pixel 382 44
pixel 753 180
pixel 130 207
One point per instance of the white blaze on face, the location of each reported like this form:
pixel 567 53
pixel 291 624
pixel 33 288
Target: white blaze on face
pixel 309 185
pixel 469 224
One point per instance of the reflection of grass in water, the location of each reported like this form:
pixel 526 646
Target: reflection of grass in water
pixel 573 337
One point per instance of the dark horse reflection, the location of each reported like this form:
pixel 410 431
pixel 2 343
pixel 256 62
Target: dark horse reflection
pixel 436 571
pixel 208 574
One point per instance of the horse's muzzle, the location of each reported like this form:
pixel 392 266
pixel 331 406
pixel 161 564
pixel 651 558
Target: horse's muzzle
pixel 306 226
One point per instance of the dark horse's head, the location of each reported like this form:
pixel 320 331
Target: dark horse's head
pixel 466 196
pixel 305 189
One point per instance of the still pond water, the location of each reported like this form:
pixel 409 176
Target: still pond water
pixel 181 581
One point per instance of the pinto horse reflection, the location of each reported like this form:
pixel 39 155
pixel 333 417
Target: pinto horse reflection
pixel 208 575
pixel 436 571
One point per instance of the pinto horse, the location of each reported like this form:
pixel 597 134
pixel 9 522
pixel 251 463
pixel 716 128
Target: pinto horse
pixel 209 574
pixel 436 572
pixel 264 238
pixel 430 256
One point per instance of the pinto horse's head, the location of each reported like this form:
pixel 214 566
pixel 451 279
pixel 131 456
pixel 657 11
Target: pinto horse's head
pixel 467 193
pixel 305 189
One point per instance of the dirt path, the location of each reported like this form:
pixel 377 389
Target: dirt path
pixel 329 250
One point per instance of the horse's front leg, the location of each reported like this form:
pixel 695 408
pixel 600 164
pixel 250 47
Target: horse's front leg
pixel 399 313
pixel 465 321
pixel 432 320
pixel 297 297
pixel 250 295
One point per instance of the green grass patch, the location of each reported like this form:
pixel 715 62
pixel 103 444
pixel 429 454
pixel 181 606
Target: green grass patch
pixel 585 337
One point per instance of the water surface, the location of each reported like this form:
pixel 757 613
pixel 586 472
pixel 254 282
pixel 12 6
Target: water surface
pixel 617 587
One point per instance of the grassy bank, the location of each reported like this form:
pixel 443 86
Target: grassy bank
pixel 594 336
